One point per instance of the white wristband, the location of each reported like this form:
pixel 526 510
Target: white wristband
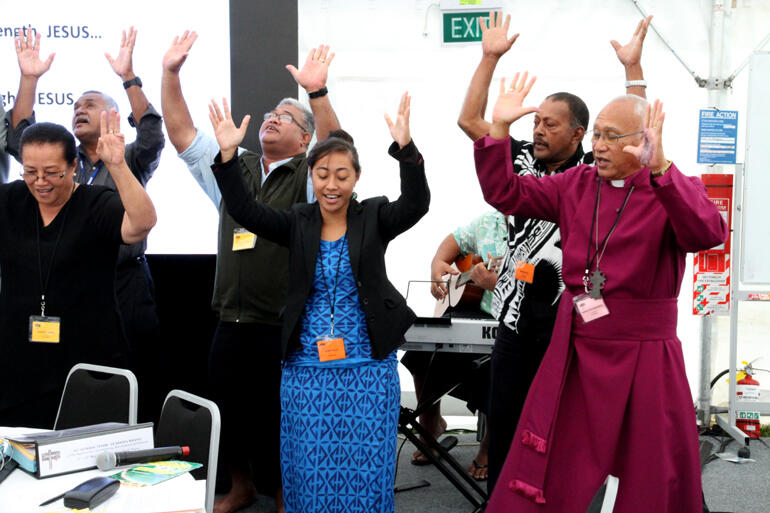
pixel 636 83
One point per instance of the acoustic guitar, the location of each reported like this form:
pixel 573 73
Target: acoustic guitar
pixel 462 292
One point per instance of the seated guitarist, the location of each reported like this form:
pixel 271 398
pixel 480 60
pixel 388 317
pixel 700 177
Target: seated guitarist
pixel 486 235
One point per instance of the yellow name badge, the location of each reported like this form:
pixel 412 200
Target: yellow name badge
pixel 44 329
pixel 243 239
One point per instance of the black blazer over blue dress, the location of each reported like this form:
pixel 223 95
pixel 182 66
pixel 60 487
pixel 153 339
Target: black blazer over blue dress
pixel 372 224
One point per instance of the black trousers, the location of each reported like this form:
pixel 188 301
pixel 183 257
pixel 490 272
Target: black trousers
pixel 245 381
pixel 515 359
pixel 136 301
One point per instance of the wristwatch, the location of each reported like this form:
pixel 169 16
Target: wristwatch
pixel 136 81
pixel 317 94
pixel 661 171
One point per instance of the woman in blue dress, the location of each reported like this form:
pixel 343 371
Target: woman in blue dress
pixel 343 319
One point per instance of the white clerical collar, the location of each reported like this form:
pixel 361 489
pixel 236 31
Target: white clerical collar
pixel 618 183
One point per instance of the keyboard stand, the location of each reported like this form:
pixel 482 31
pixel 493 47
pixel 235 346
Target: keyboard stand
pixel 436 453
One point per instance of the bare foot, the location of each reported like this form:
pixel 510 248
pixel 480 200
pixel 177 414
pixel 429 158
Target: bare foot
pixel 436 429
pixel 241 494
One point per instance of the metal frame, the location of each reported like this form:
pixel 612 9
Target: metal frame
pixel 216 423
pixel 133 387
pixel 738 294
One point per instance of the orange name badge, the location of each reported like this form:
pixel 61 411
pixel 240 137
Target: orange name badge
pixel 330 349
pixel 525 271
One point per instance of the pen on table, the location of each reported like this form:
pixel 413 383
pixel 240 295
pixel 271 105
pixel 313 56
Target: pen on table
pixel 53 499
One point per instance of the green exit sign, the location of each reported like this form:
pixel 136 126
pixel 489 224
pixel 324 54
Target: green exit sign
pixel 463 26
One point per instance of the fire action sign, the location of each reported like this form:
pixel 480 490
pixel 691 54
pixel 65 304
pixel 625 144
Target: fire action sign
pixel 711 268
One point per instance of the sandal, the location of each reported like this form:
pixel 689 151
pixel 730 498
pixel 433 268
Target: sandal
pixel 475 467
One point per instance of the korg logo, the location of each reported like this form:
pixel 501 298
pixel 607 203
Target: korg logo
pixel 489 332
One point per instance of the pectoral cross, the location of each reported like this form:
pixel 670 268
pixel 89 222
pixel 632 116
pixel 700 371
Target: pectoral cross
pixel 597 280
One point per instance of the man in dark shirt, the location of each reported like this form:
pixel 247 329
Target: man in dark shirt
pixel 530 284
pixel 134 285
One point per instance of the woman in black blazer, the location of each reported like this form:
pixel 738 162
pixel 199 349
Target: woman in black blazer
pixel 343 319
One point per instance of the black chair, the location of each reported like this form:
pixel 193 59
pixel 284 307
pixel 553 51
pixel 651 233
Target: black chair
pixel 187 419
pixel 94 394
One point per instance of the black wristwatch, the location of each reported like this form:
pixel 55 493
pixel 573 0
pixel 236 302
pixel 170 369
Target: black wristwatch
pixel 136 81
pixel 317 94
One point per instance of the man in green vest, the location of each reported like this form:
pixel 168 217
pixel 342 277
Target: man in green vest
pixel 252 273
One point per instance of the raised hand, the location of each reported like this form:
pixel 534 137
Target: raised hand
pixel 122 64
pixel 494 34
pixel 228 135
pixel 111 147
pixel 28 52
pixel 650 151
pixel 509 106
pixel 314 72
pixel 630 54
pixel 400 129
pixel 179 50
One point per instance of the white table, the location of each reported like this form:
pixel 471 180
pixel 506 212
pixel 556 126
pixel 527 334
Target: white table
pixel 21 492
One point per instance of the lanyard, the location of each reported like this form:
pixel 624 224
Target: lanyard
pixel 96 168
pixel 333 297
pixel 44 284
pixel 600 248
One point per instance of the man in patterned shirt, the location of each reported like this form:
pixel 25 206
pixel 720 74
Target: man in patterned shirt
pixel 529 286
pixel 484 236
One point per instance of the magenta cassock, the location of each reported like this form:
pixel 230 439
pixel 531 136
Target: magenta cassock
pixel 611 396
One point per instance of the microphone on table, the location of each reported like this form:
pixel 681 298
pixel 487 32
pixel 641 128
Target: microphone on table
pixel 109 459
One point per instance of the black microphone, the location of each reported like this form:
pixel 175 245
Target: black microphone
pixel 109 460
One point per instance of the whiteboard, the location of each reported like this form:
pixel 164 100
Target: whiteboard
pixel 755 261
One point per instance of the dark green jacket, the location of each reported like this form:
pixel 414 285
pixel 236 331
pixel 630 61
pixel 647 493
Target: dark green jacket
pixel 250 285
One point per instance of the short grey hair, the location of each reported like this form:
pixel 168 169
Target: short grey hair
pixel 109 102
pixel 307 114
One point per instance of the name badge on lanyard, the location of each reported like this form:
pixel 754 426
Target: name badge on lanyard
pixel 525 271
pixel 330 348
pixel 243 239
pixel 590 308
pixel 44 329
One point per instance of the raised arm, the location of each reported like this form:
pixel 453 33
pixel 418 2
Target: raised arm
pixel 253 215
pixel 312 78
pixel 176 114
pixel 122 65
pixel 630 56
pixel 398 216
pixel 32 68
pixel 502 187
pixel 139 217
pixel 494 44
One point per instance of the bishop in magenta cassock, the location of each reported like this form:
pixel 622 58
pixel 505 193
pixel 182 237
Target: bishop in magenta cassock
pixel 611 396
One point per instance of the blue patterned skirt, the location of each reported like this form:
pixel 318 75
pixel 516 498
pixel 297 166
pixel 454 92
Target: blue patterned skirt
pixel 338 437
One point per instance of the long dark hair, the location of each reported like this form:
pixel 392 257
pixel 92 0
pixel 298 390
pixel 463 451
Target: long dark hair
pixel 338 140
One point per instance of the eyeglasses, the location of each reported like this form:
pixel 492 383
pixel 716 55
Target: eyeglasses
pixel 283 117
pixel 611 137
pixel 50 176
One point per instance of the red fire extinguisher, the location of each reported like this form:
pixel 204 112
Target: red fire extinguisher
pixel 747 389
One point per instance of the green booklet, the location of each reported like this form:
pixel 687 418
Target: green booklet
pixel 156 472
